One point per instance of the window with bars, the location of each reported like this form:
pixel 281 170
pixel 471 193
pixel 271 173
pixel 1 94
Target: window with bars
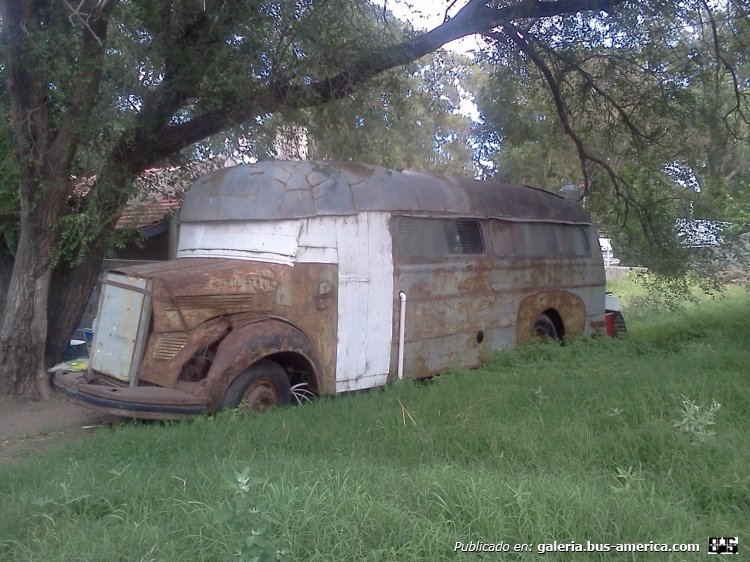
pixel 422 240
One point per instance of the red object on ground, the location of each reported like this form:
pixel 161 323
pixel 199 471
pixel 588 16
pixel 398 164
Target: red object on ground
pixel 609 323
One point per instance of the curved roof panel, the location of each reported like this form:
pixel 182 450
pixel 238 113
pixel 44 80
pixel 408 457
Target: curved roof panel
pixel 278 190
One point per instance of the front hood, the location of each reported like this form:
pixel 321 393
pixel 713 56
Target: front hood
pixel 188 291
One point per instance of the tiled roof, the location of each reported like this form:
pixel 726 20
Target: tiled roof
pixel 160 191
pixel 146 213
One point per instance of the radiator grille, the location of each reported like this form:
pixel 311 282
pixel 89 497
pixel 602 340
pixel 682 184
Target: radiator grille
pixel 169 345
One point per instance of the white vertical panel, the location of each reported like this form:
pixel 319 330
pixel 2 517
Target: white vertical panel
pixel 365 307
pixel 381 296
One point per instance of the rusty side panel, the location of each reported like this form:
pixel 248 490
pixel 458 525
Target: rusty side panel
pixel 307 298
pixel 197 301
pixel 448 304
pixel 461 309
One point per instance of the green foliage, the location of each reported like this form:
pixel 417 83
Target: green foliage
pixel 10 202
pixel 696 418
pixel 643 294
pixel 568 443
pixel 404 120
pixel 656 106
pixel 519 133
pixel 244 516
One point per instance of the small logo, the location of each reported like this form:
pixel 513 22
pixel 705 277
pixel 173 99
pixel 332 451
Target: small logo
pixel 723 545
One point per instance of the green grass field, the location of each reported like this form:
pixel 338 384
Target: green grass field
pixel 605 441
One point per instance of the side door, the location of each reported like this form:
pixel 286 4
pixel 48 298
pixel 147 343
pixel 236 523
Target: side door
pixel 365 301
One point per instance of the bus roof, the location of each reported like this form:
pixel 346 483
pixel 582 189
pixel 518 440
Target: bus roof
pixel 281 190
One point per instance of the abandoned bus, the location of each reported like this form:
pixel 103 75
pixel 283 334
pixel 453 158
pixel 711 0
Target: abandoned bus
pixel 295 279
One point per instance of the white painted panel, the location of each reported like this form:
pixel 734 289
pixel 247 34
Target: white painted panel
pixel 365 301
pixel 275 241
pixel 361 383
pixel 317 242
pixel 317 255
pixel 319 232
pixel 237 255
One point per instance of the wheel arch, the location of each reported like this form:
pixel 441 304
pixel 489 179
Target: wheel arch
pixel 565 309
pixel 271 339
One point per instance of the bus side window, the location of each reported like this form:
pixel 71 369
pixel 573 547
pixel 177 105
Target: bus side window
pixel 424 240
pixel 502 238
pixel 574 240
pixel 539 240
pixel 468 234
pixel 420 240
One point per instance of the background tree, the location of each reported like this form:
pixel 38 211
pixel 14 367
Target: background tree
pixel 406 118
pixel 645 107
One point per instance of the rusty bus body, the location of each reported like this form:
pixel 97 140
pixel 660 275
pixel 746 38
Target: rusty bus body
pixel 291 279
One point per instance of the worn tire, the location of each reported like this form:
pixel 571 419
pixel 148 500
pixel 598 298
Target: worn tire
pixel 544 328
pixel 261 386
pixel 620 328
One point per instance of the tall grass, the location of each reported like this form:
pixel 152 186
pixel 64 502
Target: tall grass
pixel 607 441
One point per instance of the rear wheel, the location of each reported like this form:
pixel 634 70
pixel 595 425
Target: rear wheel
pixel 545 329
pixel 620 328
pixel 261 386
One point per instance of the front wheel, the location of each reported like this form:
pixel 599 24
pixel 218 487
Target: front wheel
pixel 261 386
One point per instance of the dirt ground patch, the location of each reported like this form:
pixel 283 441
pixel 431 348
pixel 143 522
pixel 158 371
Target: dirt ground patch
pixel 26 426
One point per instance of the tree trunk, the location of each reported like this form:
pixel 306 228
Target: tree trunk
pixel 24 327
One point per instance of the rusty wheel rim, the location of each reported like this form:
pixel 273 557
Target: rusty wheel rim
pixel 260 396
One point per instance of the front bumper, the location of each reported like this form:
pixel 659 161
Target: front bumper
pixel 141 402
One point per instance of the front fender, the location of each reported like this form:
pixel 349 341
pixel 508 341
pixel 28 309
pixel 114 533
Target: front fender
pixel 248 344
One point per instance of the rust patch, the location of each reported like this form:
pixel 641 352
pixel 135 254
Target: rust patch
pixel 197 306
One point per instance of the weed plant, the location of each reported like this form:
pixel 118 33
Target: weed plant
pixel 599 440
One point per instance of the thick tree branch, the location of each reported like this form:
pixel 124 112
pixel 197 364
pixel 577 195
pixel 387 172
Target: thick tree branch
pixel 514 34
pixel 636 133
pixel 737 109
pixel 85 86
pixel 28 103
pixel 475 17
